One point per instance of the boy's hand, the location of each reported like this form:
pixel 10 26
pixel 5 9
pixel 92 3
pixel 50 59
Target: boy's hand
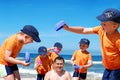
pixel 65 26
pixel 25 64
pixel 76 66
pixel 39 62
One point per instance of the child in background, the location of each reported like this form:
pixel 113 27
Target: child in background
pixel 42 63
pixel 109 40
pixel 10 50
pixel 81 60
pixel 54 51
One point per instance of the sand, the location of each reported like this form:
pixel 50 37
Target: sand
pixel 33 77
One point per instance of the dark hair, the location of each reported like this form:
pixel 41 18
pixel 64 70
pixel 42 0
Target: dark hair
pixel 59 58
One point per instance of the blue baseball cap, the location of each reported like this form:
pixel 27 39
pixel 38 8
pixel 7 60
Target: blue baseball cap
pixel 110 14
pixel 31 31
pixel 42 50
pixel 84 41
pixel 58 45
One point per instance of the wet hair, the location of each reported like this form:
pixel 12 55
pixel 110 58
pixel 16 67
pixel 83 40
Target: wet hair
pixel 59 58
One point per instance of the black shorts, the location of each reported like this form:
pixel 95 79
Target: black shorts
pixel 11 69
pixel 40 76
pixel 80 75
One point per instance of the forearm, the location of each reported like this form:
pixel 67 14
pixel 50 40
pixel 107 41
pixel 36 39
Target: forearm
pixel 75 29
pixel 72 62
pixel 88 65
pixel 13 60
pixel 78 29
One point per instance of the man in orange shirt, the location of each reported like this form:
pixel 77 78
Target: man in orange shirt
pixel 109 40
pixel 42 63
pixel 11 48
pixel 81 60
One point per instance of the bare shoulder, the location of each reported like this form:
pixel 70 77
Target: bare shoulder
pixel 49 75
pixel 66 72
pixel 49 72
pixel 68 75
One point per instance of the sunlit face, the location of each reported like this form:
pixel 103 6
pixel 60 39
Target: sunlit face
pixel 59 64
pixel 83 47
pixel 28 39
pixel 109 26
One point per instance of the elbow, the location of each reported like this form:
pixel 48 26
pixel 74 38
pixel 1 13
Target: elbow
pixel 7 59
pixel 91 64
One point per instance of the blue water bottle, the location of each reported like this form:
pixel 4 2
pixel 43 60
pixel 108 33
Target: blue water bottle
pixel 27 57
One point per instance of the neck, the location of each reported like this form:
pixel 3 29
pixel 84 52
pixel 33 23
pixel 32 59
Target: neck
pixel 19 38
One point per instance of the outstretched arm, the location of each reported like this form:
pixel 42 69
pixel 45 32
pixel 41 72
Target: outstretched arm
pixel 78 30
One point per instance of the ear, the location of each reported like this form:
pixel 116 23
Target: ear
pixel 116 25
pixel 26 36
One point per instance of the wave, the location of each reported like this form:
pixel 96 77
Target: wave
pixel 94 62
pixel 27 70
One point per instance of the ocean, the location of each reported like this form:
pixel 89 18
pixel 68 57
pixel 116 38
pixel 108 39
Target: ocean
pixel 97 68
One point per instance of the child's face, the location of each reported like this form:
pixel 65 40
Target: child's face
pixel 83 47
pixel 59 49
pixel 109 26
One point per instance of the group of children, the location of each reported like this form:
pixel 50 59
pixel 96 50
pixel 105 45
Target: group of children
pixel 46 61
pixel 49 64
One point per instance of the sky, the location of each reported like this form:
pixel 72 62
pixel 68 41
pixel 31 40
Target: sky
pixel 44 14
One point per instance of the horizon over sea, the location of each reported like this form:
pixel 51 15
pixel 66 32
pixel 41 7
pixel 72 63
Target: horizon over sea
pixel 97 68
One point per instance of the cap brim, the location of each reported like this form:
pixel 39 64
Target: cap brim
pixel 102 18
pixel 36 39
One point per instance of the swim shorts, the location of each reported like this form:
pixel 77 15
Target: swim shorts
pixel 111 74
pixel 80 75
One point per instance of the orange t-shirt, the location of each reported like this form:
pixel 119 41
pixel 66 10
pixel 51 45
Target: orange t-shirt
pixel 52 56
pixel 11 44
pixel 110 46
pixel 82 59
pixel 45 66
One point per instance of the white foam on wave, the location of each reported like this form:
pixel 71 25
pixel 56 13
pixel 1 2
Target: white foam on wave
pixel 92 75
pixel 94 62
pixel 26 70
